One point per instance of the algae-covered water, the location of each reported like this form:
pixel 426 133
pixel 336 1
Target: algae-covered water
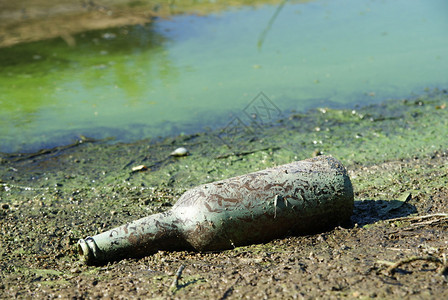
pixel 191 73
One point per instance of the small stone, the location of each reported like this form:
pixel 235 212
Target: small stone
pixel 179 152
pixel 139 168
pixel 5 206
pixel 316 153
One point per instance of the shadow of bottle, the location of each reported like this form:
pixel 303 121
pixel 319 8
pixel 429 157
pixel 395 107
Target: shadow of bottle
pixel 371 211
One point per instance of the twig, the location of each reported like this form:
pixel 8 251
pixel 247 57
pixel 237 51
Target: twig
pixel 398 249
pixel 175 285
pixel 393 266
pixel 270 23
pixel 415 218
pixel 82 140
pixel 441 219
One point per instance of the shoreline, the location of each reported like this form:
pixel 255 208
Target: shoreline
pixel 70 139
pixel 312 123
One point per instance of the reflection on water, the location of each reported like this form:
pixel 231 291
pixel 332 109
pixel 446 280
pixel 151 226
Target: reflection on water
pixel 191 72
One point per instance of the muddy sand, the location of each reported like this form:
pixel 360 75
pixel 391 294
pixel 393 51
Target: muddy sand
pixel 396 153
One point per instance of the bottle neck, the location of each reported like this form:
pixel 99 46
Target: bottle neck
pixel 138 238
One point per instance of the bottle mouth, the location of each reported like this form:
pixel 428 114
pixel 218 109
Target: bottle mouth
pixel 83 249
pixel 86 249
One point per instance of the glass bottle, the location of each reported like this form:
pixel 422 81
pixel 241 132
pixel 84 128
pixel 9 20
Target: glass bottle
pixel 298 198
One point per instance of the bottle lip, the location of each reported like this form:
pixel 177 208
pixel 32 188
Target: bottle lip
pixel 86 249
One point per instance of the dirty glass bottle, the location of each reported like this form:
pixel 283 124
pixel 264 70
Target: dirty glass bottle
pixel 297 198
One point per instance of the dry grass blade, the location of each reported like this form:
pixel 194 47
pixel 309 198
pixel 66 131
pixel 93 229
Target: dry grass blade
pixel 175 284
pixel 394 266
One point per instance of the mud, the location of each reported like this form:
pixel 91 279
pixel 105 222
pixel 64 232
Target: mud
pixel 396 155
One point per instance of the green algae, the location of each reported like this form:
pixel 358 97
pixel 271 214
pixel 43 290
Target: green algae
pixel 370 135
pixel 179 75
pixel 389 131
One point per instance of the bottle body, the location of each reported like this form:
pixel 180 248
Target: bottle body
pixel 297 198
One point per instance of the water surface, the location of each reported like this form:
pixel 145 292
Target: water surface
pixel 196 72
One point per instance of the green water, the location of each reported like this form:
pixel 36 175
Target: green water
pixel 191 73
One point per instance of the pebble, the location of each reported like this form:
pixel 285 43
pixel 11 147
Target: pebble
pixel 139 168
pixel 179 152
